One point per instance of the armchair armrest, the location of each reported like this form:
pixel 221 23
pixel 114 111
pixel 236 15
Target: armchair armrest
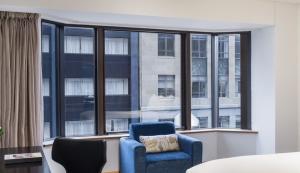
pixel 191 146
pixel 132 156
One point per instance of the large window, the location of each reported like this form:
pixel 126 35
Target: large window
pixel 229 80
pixel 139 87
pixel 98 80
pixel 78 74
pixel 201 80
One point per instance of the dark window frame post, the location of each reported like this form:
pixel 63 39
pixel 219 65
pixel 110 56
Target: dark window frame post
pixel 245 80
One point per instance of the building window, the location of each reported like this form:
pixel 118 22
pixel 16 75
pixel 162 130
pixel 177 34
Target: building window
pixel 79 44
pixel 166 44
pixel 166 85
pixel 238 121
pixel 199 87
pixel 79 87
pixel 203 122
pixel 45 43
pixel 224 121
pixel 46 87
pixel 116 46
pixel 116 86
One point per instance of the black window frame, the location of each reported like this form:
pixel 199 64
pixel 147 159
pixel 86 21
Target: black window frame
pixel 186 88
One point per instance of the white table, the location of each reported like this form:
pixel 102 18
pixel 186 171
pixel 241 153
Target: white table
pixel 273 163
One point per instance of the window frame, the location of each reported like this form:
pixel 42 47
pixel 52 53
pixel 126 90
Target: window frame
pixel 186 90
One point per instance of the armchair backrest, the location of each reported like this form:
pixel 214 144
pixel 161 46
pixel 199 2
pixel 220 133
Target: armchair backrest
pixel 150 129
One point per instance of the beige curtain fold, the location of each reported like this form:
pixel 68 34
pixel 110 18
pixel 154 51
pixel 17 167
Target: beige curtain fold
pixel 20 80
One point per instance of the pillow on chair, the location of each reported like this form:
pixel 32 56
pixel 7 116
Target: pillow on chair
pixel 160 143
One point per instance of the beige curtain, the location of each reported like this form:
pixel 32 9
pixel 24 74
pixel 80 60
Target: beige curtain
pixel 20 80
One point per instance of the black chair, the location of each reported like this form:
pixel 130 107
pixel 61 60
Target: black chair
pixel 79 155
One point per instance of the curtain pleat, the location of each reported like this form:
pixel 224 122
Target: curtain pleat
pixel 20 80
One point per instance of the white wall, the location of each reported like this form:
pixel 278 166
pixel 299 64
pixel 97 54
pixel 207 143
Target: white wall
pixel 236 144
pixel 263 88
pixel 286 77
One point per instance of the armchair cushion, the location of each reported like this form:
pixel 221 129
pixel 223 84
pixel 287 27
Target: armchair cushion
pixel 167 156
pixel 150 129
pixel 168 162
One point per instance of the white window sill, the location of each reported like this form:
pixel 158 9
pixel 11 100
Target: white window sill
pixel 117 136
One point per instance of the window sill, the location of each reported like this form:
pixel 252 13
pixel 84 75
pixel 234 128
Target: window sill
pixel 118 136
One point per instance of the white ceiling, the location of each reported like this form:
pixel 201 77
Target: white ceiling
pixel 290 1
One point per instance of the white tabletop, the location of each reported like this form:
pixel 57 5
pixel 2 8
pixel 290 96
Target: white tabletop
pixel 273 163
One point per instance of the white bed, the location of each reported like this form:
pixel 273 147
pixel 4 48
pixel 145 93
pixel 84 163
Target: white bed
pixel 273 163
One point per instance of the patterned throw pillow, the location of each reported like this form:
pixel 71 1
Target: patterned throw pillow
pixel 160 143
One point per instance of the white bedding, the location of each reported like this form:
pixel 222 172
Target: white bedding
pixel 273 163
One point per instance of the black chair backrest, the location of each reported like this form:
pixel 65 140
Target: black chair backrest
pixel 79 155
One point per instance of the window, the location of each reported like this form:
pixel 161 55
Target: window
pixel 127 79
pixel 201 79
pixel 166 85
pixel 199 65
pixel 238 121
pixel 79 87
pixel 79 44
pixel 166 45
pixel 45 43
pixel 116 86
pixel 46 87
pixel 224 121
pixel 116 46
pixel 78 63
pixel 203 122
pixel 229 79
pixel 199 87
pixel 135 84
pixel 223 70
pixel 49 79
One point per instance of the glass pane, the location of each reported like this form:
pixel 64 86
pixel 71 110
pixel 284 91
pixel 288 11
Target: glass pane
pixel 201 81
pixel 79 81
pixel 151 84
pixel 49 78
pixel 229 81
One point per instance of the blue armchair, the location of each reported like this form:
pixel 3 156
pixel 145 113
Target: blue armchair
pixel 134 159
